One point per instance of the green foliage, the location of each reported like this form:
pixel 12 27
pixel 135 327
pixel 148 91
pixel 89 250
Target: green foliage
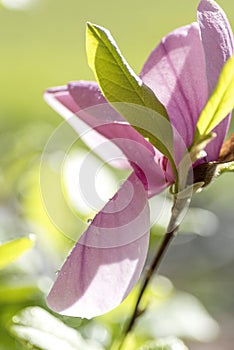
pixel 13 293
pixel 10 251
pixel 117 80
pixel 41 330
pixel 172 317
pixel 126 91
pixel 166 312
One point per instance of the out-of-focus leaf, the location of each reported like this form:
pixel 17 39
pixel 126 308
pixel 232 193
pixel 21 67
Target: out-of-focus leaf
pixel 164 344
pixel 10 251
pixel 132 342
pixel 200 221
pixel 196 221
pixel 159 289
pixel 94 331
pixel 10 294
pixel 39 328
pixel 181 316
pixel 220 103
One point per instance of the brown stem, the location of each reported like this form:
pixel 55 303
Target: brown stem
pixel 170 234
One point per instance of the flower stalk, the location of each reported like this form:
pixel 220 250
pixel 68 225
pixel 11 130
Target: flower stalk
pixel 177 209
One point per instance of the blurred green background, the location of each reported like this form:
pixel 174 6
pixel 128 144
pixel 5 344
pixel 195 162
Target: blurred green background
pixel 42 44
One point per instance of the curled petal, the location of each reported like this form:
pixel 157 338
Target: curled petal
pixel 175 71
pixel 62 102
pixel 217 40
pixel 85 101
pixel 107 261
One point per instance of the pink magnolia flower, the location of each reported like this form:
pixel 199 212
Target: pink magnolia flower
pixel 182 71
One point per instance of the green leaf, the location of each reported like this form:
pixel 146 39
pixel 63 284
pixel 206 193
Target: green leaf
pixel 39 328
pixel 13 293
pixel 220 103
pixel 10 251
pixel 117 80
pixel 127 93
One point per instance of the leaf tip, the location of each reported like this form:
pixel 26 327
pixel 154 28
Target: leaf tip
pixel 89 25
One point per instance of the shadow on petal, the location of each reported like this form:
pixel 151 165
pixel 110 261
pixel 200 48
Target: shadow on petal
pixel 100 273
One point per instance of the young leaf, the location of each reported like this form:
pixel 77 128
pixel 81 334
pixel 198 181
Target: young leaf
pixel 126 91
pixel 220 103
pixel 116 79
pixel 10 251
pixel 17 292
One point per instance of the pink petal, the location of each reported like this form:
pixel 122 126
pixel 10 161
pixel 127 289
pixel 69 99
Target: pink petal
pixel 217 39
pixel 175 71
pixel 107 261
pixel 62 102
pixel 108 125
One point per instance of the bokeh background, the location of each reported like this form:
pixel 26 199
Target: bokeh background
pixel 42 44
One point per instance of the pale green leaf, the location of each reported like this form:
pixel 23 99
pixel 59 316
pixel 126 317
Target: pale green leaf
pixel 116 79
pixel 17 293
pixel 182 315
pixel 220 103
pixel 10 251
pixel 126 91
pixel 39 328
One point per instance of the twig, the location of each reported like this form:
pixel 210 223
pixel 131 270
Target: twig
pixel 170 234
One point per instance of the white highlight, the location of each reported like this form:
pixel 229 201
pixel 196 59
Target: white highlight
pixel 18 4
pixel 104 178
